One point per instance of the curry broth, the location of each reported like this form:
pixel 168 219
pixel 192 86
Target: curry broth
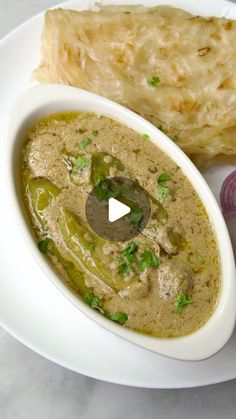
pixel 166 281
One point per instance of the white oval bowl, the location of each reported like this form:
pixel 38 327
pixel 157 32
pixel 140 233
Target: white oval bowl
pixel 45 99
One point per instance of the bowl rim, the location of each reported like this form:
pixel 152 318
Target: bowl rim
pixel 45 99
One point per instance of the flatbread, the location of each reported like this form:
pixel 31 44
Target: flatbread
pixel 176 70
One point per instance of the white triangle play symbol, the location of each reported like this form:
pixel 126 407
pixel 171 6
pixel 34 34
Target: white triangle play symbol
pixel 116 210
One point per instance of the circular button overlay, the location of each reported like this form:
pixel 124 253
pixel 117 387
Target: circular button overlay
pixel 124 191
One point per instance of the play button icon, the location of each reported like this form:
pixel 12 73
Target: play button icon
pixel 117 210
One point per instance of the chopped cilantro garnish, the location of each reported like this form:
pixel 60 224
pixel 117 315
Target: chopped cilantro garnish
pixel 153 81
pixel 80 163
pixel 163 178
pixel 98 179
pixel 89 246
pixel 83 143
pixel 130 258
pixel 182 301
pixel 146 137
pixel 95 132
pixel 130 249
pixel 129 252
pixel 148 260
pixel 124 268
pixel 93 301
pixel 43 245
pixel 102 189
pixel 118 317
pixel 135 216
pixel 130 263
pixel 105 190
pixel 162 193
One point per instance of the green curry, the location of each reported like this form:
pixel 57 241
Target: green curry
pixel 164 282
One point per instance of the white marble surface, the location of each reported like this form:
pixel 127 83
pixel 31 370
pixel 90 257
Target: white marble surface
pixel 33 388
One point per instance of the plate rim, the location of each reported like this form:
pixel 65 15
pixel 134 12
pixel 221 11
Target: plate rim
pixel 34 347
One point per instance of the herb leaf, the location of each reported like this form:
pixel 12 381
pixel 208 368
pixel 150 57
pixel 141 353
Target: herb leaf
pixel 83 143
pixel 124 268
pixel 129 252
pixel 162 193
pixel 106 189
pixel 80 163
pixel 148 260
pixel 98 179
pixel 146 137
pixel 103 190
pixel 93 301
pixel 43 245
pixel 163 178
pixel 118 317
pixel 95 132
pixel 153 81
pixel 135 216
pixel 130 249
pixel 130 258
pixel 182 301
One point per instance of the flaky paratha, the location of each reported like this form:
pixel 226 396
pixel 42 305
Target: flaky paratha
pixel 174 69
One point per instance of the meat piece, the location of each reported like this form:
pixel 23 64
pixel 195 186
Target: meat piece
pixel 173 281
pixel 108 159
pixel 159 233
pixel 81 167
pixel 109 248
pixel 99 287
pixel 137 289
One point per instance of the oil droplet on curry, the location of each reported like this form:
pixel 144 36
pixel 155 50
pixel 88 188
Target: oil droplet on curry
pixel 166 281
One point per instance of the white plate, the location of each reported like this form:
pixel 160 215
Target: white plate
pixel 34 311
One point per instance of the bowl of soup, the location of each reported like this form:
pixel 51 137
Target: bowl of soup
pixel 169 284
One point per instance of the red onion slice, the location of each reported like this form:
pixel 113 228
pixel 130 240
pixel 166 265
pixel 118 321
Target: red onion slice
pixel 228 196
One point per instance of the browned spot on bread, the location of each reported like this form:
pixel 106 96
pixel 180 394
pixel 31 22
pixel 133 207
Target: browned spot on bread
pixel 228 25
pixel 204 51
